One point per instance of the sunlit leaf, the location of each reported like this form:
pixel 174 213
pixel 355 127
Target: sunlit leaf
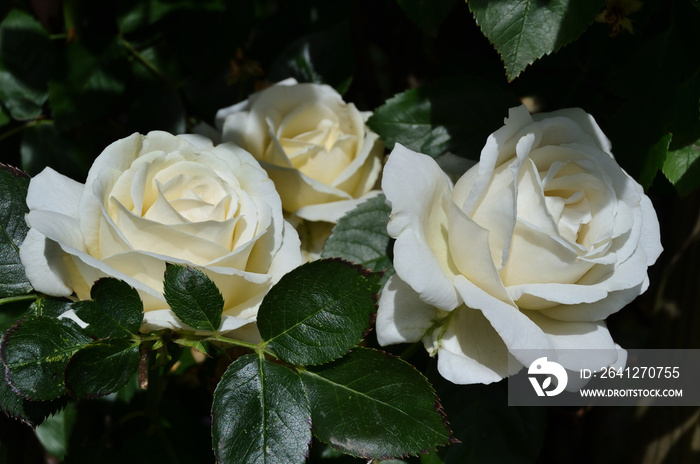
pixel 524 30
pixel 373 405
pixel 318 311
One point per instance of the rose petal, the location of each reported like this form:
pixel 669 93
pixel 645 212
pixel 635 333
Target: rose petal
pixel 579 345
pixel 333 211
pixel 517 330
pixel 415 187
pixel 472 351
pixel 298 190
pixel 44 264
pixel 469 248
pixel 288 256
pixel 582 121
pixel 362 173
pixel 51 191
pixel 401 316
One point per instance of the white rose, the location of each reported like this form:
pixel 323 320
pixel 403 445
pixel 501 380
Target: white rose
pixel 314 146
pixel 161 198
pixel 532 249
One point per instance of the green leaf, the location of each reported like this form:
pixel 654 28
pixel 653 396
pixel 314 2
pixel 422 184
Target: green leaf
pixel 427 14
pixel 373 405
pixel 317 312
pixel 487 428
pixel 102 368
pixel 260 414
pixel 361 237
pixel 25 63
pixel 49 307
pixel 193 297
pixel 35 353
pixel 13 193
pixel 525 30
pixel 682 168
pixel 654 160
pixel 55 432
pixel 31 413
pixel 12 404
pixel 115 310
pixel 455 115
pixel 325 57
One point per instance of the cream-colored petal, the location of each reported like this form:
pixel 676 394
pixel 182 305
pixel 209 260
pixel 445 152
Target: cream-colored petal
pixel 401 316
pixel 150 236
pixel 297 190
pixel 581 121
pixel 517 330
pixel 57 227
pixel 362 173
pixel 536 257
pixel 469 248
pixel 333 211
pixel 51 191
pixel 288 256
pixel 649 239
pixel 44 264
pixel 579 345
pixel 415 187
pixel 472 351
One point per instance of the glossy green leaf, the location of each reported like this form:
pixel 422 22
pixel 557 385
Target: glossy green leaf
pixel 12 404
pixel 55 432
pixel 115 310
pixel 523 31
pixel 49 307
pixel 453 115
pixel 654 160
pixel 317 312
pixel 427 14
pixel 373 405
pixel 361 237
pixel 102 367
pixel 31 413
pixel 682 167
pixel 35 353
pixel 25 62
pixel 13 193
pixel 260 414
pixel 193 297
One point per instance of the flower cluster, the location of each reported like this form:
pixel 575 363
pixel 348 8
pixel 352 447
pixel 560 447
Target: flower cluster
pixel 531 249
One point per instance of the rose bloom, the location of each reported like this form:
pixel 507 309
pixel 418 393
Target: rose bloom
pixel 315 147
pixel 530 250
pixel 161 198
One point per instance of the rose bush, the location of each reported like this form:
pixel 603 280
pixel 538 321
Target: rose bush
pixel 531 249
pixel 314 146
pixel 161 198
